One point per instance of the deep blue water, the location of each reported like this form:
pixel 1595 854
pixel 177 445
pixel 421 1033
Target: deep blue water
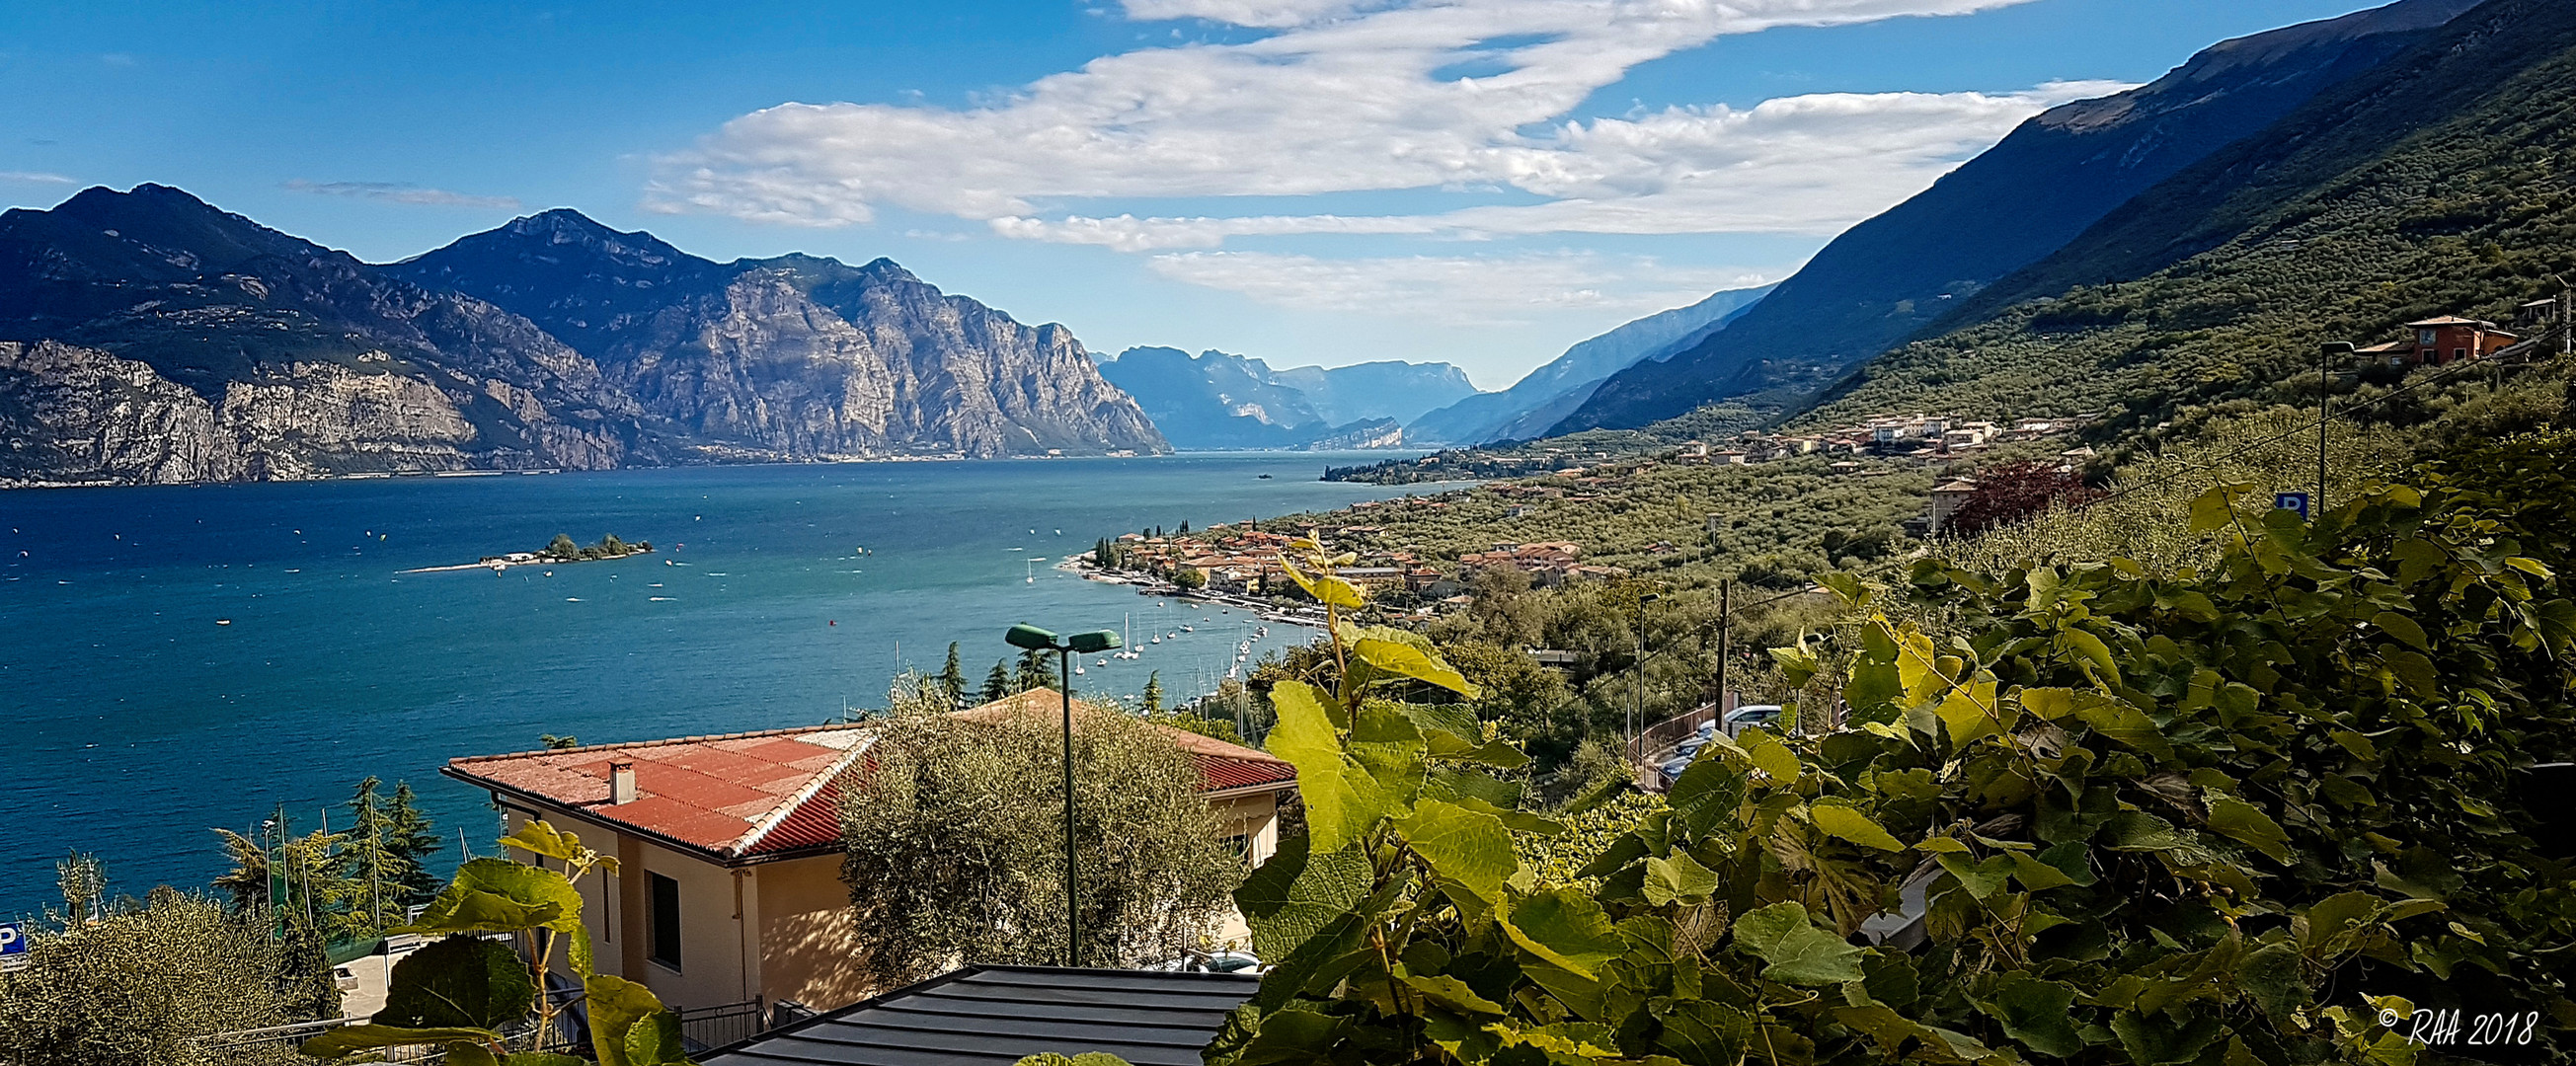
pixel 131 722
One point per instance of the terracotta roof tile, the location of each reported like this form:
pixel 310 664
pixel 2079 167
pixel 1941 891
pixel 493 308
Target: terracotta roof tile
pixel 750 795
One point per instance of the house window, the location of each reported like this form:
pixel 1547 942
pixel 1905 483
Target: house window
pixel 2458 354
pixel 1241 845
pixel 666 920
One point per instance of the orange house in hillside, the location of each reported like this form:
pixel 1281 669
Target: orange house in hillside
pixel 2442 341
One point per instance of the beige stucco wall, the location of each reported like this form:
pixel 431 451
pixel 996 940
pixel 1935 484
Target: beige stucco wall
pixel 599 890
pixel 806 931
pixel 718 961
pixel 1256 818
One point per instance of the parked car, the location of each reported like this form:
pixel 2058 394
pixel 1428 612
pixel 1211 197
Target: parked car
pixel 1736 722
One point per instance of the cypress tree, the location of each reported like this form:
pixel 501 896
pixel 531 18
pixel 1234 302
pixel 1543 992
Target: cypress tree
pixel 997 684
pixel 410 839
pixel 1154 693
pixel 1036 672
pixel 381 877
pixel 952 677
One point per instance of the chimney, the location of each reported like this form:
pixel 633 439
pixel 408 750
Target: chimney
pixel 621 783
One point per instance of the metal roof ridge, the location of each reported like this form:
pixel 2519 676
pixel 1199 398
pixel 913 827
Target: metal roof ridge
pixel 742 845
pixel 623 745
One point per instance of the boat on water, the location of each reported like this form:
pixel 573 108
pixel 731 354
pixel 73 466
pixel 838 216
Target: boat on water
pixel 1186 629
pixel 1156 640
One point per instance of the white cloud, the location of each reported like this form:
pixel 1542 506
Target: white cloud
pixel 402 193
pixel 34 177
pixel 1260 13
pixel 1456 290
pixel 1354 97
pixel 1808 164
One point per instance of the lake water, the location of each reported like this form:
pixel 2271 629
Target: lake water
pixel 174 659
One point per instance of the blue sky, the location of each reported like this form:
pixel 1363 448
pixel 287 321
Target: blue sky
pixel 1308 181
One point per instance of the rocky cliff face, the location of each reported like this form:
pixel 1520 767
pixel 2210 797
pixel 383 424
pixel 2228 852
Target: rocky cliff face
pixel 146 337
pixel 797 356
pixel 71 415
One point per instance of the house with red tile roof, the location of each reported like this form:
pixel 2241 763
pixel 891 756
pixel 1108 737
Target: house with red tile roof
pixel 729 848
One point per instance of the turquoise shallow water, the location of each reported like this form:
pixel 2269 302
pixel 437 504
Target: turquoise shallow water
pixel 131 722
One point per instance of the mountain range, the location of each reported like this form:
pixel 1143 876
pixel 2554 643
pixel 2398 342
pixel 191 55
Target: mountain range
pixel 1218 401
pixel 1915 267
pixel 1546 395
pixel 148 337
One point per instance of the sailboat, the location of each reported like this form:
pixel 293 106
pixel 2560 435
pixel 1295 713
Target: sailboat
pixel 1029 568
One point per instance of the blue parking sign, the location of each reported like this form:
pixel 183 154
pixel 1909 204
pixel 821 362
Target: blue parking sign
pixel 13 940
pixel 2291 501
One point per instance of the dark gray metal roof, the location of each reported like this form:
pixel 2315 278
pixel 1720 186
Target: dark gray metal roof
pixel 988 1015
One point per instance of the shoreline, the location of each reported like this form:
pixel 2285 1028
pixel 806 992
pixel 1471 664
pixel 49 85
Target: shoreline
pixel 1266 610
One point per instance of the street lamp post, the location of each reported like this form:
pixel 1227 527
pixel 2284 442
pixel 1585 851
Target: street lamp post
pixel 1031 638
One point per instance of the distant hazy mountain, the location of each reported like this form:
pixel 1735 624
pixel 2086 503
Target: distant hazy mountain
pixel 1216 401
pixel 1892 276
pixel 148 337
pixel 1368 391
pixel 1551 392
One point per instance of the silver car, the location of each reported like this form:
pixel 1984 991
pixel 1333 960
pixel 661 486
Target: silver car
pixel 1736 721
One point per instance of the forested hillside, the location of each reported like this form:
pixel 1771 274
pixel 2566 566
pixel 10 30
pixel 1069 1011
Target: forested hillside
pixel 1895 275
pixel 2437 184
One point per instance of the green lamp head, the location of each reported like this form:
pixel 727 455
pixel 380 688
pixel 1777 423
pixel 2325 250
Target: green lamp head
pixel 1030 637
pixel 1094 642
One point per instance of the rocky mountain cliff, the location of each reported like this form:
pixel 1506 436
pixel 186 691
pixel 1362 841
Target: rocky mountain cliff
pixel 152 338
pixel 798 356
pixel 1895 275
pixel 162 340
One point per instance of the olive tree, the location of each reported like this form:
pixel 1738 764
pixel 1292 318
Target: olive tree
pixel 141 984
pixel 956 837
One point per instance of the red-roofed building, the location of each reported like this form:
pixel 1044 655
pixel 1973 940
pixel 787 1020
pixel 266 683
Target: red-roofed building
pixel 730 848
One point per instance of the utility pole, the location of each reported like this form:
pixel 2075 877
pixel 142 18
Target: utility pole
pixel 2567 321
pixel 1725 634
pixel 2325 400
pixel 1637 680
